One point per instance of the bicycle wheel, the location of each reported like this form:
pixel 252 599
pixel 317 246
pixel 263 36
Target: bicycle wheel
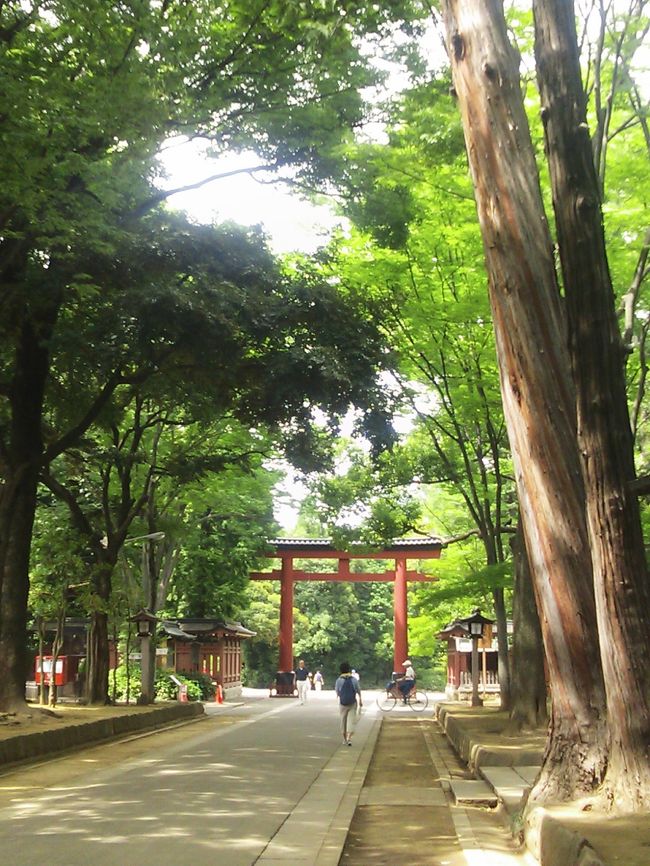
pixel 386 702
pixel 418 701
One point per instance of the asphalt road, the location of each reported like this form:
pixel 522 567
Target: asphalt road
pixel 213 792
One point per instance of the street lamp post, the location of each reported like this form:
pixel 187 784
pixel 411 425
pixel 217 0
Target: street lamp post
pixel 145 623
pixel 475 625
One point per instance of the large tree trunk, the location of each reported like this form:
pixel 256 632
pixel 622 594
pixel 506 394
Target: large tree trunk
pixel 159 558
pixel 21 465
pixel 98 663
pixel 98 651
pixel 16 523
pixel 529 690
pixel 604 435
pixel 536 387
pixel 503 661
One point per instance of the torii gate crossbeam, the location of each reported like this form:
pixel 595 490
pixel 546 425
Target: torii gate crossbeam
pixel 401 550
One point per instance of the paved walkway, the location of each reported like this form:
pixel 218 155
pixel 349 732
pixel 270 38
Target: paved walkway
pixel 266 782
pixel 407 809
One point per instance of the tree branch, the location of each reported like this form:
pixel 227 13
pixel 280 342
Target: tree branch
pixel 163 195
pixel 71 437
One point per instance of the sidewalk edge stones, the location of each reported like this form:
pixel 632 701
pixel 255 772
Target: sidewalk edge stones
pixel 549 840
pixel 29 747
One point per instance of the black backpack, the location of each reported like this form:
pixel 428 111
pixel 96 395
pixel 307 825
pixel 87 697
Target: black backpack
pixel 347 693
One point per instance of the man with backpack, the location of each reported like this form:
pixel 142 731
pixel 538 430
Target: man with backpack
pixel 349 694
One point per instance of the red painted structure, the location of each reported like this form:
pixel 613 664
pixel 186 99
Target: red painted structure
pixel 204 645
pixel 207 646
pixel 459 660
pixel 288 550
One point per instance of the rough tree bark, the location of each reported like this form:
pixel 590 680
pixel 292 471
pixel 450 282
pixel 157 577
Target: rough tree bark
pixel 528 681
pixel 503 661
pixel 158 564
pixel 537 391
pixel 604 436
pixel 97 660
pixel 21 458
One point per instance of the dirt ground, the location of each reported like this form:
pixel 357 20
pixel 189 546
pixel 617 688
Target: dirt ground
pixel 38 719
pixel 403 814
pixel 378 831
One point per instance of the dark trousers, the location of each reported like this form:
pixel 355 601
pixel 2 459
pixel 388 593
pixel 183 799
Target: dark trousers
pixel 405 687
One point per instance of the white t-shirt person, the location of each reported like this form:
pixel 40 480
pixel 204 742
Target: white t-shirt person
pixel 407 682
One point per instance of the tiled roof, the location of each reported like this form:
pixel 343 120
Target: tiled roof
pixel 425 541
pixel 191 628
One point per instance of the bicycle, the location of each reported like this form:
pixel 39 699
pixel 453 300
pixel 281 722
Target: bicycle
pixel 416 699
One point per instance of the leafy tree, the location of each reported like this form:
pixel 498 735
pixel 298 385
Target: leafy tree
pixel 90 92
pixel 260 608
pixel 226 522
pixel 207 326
pixel 428 292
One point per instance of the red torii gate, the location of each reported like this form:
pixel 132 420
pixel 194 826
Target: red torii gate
pixel 400 550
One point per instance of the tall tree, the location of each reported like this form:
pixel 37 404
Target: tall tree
pixel 536 385
pixel 599 449
pixel 603 427
pixel 413 200
pixel 208 328
pixel 529 688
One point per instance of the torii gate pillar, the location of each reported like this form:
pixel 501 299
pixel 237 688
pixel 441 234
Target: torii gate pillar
pixel 401 646
pixel 286 614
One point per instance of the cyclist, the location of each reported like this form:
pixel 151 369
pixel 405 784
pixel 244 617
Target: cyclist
pixel 407 682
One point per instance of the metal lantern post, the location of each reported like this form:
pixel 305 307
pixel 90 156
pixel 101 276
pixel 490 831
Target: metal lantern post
pixel 145 623
pixel 475 625
pixel 476 633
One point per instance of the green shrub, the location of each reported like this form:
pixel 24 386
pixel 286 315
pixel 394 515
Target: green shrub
pixel 164 686
pixel 117 683
pixel 431 676
pixel 199 686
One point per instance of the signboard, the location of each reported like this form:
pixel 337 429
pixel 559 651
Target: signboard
pixel 44 670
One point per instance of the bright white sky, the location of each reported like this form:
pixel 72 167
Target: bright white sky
pixel 291 223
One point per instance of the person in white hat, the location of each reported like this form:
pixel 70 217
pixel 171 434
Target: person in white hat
pixel 407 682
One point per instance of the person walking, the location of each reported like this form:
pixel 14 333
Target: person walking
pixel 319 682
pixel 303 681
pixel 349 694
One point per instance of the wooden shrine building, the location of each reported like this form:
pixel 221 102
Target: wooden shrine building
pixel 206 646
pixel 459 660
pixel 288 550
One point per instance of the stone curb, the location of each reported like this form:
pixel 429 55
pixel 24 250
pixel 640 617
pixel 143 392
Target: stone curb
pixel 548 840
pixel 477 754
pixel 30 747
pixel 551 842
